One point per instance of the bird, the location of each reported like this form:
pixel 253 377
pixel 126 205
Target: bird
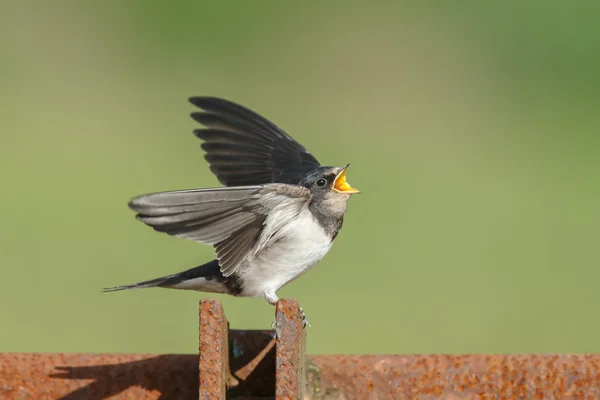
pixel 276 216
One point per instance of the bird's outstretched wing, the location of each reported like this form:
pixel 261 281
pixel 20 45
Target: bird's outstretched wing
pixel 237 221
pixel 243 148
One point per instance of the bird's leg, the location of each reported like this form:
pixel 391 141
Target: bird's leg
pixel 272 299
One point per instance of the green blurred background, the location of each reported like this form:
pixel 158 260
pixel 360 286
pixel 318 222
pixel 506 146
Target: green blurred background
pixel 472 129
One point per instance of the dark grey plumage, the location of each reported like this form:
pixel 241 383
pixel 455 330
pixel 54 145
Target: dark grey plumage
pixel 243 148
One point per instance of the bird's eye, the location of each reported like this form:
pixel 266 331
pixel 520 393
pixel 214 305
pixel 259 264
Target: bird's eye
pixel 322 182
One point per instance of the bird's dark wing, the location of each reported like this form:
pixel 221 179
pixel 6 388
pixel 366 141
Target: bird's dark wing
pixel 244 148
pixel 237 221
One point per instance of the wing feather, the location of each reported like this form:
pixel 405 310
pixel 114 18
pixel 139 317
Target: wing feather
pixel 233 220
pixel 244 148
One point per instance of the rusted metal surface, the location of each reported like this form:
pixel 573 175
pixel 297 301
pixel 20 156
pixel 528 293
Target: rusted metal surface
pixel 147 376
pixel 480 377
pixel 263 367
pixel 214 351
pixel 289 351
pixel 136 376
pixel 97 376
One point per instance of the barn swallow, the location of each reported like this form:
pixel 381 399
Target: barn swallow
pixel 276 217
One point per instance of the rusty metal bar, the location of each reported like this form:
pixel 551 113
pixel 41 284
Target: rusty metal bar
pixel 97 376
pixel 214 351
pixel 455 377
pixel 148 376
pixel 260 366
pixel 289 351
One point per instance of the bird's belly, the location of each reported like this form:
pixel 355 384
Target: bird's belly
pixel 303 244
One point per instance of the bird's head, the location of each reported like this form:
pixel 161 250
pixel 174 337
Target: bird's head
pixel 329 188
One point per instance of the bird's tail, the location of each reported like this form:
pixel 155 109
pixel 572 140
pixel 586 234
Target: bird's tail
pixel 206 278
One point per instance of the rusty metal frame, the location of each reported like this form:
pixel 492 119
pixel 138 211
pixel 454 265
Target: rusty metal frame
pixel 255 364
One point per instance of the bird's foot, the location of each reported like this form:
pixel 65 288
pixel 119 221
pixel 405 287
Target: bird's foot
pixel 304 320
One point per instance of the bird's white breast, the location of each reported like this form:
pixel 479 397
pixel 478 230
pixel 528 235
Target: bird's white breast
pixel 296 248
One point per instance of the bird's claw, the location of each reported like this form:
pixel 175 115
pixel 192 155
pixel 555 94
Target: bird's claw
pixel 305 322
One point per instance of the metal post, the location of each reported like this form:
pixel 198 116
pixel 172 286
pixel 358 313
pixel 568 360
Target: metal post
pixel 214 351
pixel 289 353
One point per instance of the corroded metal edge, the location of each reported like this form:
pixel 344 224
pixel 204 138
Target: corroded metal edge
pixel 289 351
pixel 214 351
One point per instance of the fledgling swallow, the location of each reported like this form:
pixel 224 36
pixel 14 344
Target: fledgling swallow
pixel 276 218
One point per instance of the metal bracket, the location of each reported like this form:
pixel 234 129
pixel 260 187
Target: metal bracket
pixel 251 363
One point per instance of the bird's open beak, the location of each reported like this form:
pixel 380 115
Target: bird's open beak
pixel 340 184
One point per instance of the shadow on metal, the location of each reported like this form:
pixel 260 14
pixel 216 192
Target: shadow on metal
pixel 170 376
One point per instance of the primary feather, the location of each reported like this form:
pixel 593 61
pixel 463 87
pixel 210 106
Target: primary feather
pixel 244 148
